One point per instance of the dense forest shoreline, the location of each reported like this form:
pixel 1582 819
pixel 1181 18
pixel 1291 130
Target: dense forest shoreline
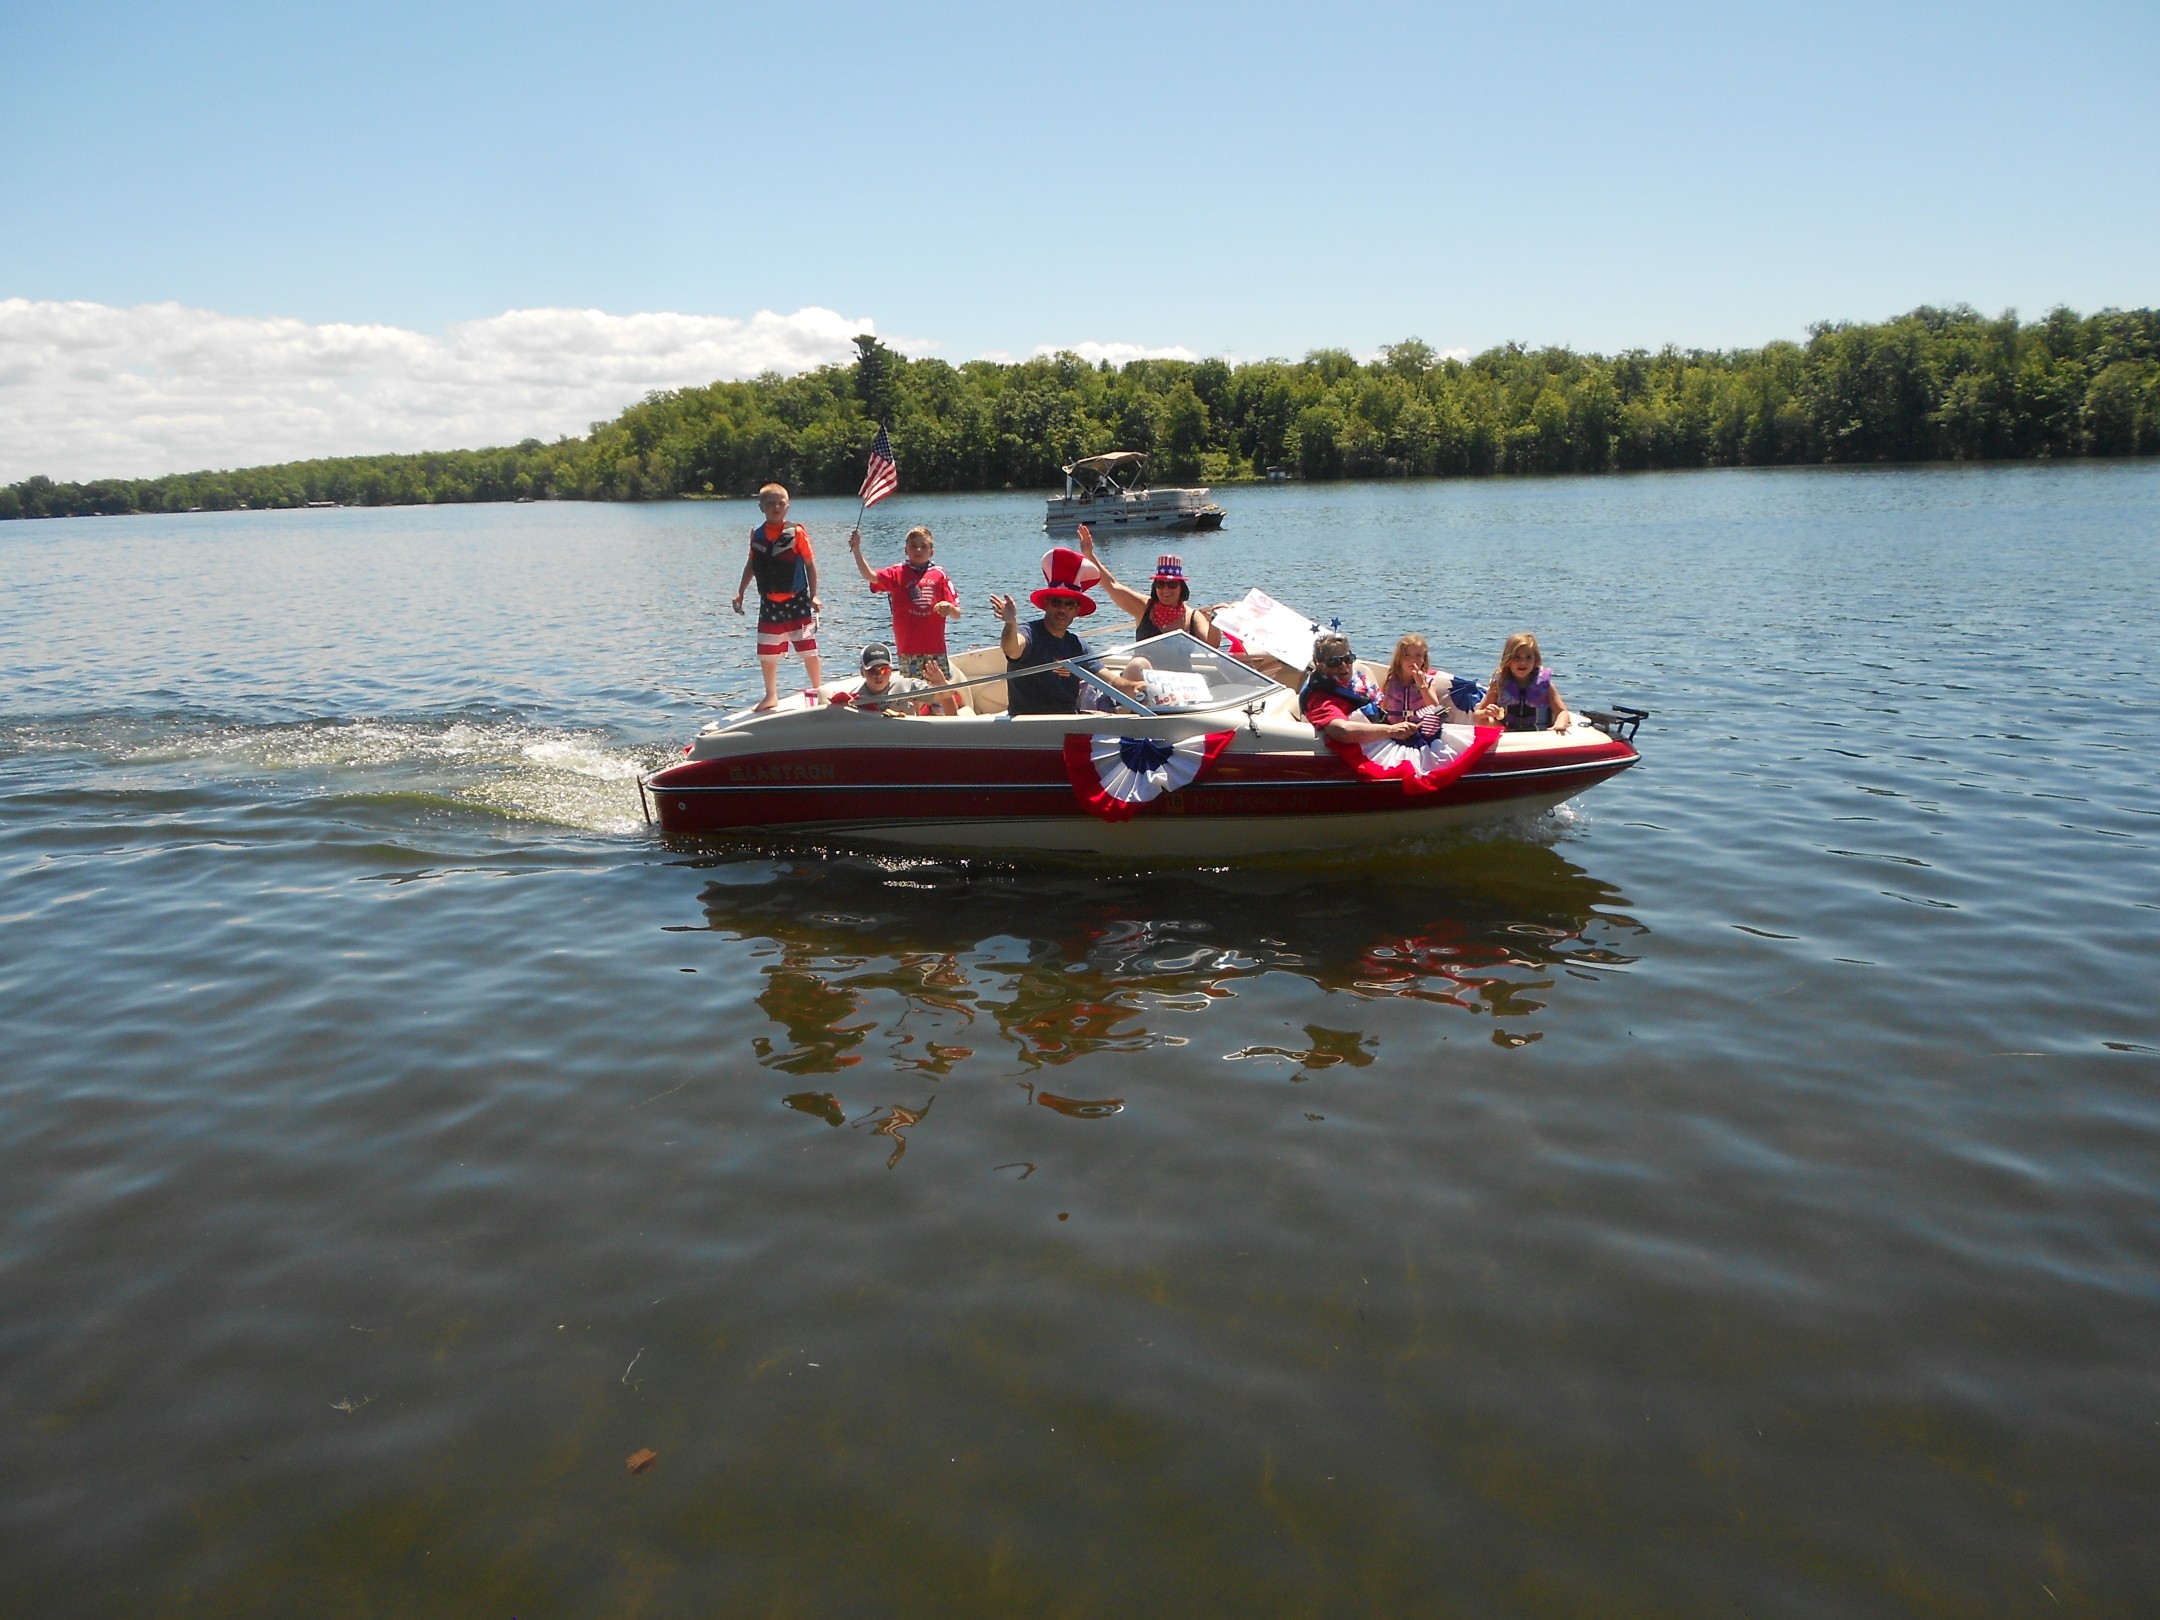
pixel 1934 385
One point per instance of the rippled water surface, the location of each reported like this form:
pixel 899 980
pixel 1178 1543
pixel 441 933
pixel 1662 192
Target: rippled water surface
pixel 1737 1193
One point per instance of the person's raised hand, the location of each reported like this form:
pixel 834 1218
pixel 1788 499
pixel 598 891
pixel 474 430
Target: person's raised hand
pixel 1005 608
pixel 854 539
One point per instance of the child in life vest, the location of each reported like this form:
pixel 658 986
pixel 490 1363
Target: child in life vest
pixel 1415 691
pixel 785 569
pixel 1522 696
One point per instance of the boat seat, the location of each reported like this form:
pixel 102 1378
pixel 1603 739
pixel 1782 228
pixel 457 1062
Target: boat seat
pixel 988 698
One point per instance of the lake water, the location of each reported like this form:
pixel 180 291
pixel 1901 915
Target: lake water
pixel 1735 1194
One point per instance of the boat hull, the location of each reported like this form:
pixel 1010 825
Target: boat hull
pixel 1011 794
pixel 1153 514
pixel 1197 838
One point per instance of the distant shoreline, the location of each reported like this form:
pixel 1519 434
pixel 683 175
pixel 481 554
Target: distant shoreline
pixel 1936 385
pixel 1246 482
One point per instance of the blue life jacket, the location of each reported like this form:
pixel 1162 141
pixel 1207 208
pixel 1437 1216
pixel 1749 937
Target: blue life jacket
pixel 1359 698
pixel 778 565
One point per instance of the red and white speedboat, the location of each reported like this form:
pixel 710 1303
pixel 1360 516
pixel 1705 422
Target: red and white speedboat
pixel 1211 760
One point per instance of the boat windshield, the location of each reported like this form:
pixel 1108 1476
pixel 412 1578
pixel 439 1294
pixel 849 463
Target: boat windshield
pixel 1179 672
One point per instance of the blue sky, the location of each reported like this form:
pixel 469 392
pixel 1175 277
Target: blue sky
pixel 1248 180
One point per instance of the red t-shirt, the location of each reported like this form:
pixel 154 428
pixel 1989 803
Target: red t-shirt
pixel 1324 707
pixel 917 626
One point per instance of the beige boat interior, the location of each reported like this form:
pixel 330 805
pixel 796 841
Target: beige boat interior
pixel 988 698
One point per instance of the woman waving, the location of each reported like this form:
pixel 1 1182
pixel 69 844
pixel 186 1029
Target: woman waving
pixel 1168 604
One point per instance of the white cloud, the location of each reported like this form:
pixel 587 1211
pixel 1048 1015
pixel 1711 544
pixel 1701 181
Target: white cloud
pixel 90 390
pixel 1116 353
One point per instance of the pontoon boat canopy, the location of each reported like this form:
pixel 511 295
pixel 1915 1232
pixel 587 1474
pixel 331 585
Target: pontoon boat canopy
pixel 1108 464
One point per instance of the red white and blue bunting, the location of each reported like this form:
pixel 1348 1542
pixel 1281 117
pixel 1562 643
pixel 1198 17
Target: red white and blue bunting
pixel 1425 767
pixel 1114 776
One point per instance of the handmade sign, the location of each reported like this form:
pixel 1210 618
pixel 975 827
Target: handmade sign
pixel 1260 624
pixel 1176 687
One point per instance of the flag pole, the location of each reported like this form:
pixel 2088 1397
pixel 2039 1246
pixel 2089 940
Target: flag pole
pixel 864 504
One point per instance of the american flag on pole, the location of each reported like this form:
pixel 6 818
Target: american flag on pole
pixel 883 475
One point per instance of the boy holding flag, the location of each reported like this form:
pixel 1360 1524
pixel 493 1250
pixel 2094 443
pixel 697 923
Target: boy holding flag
pixel 923 597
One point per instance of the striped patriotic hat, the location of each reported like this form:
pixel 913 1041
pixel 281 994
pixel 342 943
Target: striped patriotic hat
pixel 1069 575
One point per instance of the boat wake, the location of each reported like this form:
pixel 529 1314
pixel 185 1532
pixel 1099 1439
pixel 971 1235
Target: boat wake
pixel 561 776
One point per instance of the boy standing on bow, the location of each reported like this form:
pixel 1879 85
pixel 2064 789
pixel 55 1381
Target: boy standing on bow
pixel 786 573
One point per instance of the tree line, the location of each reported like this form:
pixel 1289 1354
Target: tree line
pixel 1933 385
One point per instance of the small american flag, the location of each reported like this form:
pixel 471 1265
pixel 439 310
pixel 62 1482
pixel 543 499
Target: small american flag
pixel 883 476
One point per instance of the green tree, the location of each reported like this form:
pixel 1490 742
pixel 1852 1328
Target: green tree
pixel 874 382
pixel 1934 382
pixel 2118 415
pixel 1182 431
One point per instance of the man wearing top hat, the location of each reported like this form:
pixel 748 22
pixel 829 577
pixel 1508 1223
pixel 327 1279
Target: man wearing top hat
pixel 1063 598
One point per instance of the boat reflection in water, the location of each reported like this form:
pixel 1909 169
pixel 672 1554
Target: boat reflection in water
pixel 910 970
